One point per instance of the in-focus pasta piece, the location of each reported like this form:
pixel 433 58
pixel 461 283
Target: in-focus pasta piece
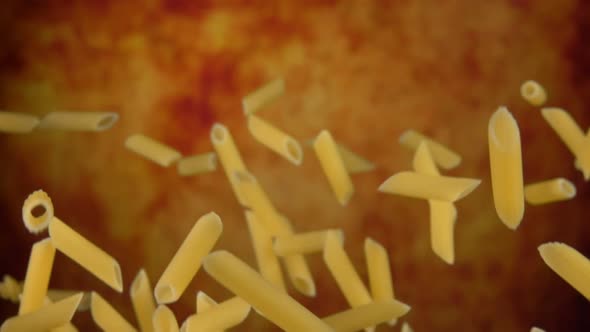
pixel 331 162
pixel 275 139
pixel 353 162
pixel 204 303
pixel 536 329
pixel 422 186
pixel 222 316
pixel 106 317
pixel 17 123
pixel 533 93
pixel 272 303
pixel 46 318
pixel 37 277
pixel 303 243
pixel 442 155
pixel 380 280
pixel 79 121
pixel 142 299
pixel 202 163
pixel 89 256
pixel 569 264
pixel 229 156
pixel 506 167
pixel 187 261
pixel 153 150
pixel 406 327
pixel 549 191
pixel 164 320
pixel 263 96
pixel 37 200
pixel 366 315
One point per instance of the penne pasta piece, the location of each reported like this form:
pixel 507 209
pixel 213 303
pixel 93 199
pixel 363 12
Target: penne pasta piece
pixel 17 123
pixel 273 304
pixel 55 295
pixel 142 299
pixel 68 327
pixel 380 280
pixel 45 318
pixel 417 185
pixel 536 329
pixel 79 121
pixel 442 155
pixel 153 150
pixel 106 317
pixel 331 162
pixel 506 167
pixel 10 289
pixel 164 320
pixel 554 190
pixel 263 96
pixel 228 155
pixel 533 93
pixel 86 254
pixel 406 327
pixel 225 315
pixel 204 303
pixel 569 264
pixel 353 162
pixel 202 163
pixel 187 261
pixel 268 263
pixel 37 277
pixel 366 315
pixel 275 139
pixel 303 243
pixel 37 200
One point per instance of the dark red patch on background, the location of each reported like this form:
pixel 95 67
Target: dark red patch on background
pixel 579 51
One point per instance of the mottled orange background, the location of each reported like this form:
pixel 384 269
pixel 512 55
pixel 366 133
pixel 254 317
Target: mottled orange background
pixel 366 70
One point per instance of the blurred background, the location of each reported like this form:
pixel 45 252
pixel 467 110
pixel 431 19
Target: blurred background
pixel 365 70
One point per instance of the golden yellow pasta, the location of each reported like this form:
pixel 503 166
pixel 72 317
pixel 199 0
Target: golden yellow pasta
pixel 153 150
pixel 533 93
pixel 353 162
pixel 106 317
pixel 79 121
pixel 275 139
pixel 46 318
pixel 303 243
pixel 536 329
pixel 37 200
pixel 198 164
pixel 407 328
pixel 68 327
pixel 55 295
pixel 366 315
pixel 37 277
pixel 423 186
pixel 569 264
pixel 164 320
pixel 17 123
pixel 442 155
pixel 142 299
pixel 263 96
pixel 89 256
pixel 506 167
pixel 222 316
pixel 10 289
pixel 275 305
pixel 380 280
pixel 331 162
pixel 554 190
pixel 187 261
pixel 204 303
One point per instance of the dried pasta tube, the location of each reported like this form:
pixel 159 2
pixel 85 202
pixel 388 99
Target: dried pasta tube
pixel 202 163
pixel 533 93
pixel 89 256
pixel 275 305
pixel 37 278
pixel 366 315
pixel 554 190
pixel 327 153
pixel 417 185
pixel 263 96
pixel 353 162
pixel 37 200
pixel 164 320
pixel 106 317
pixel 204 303
pixel 536 329
pixel 17 123
pixel 10 289
pixel 228 155
pixel 187 261
pixel 380 280
pixel 268 263
pixel 506 167
pixel 442 155
pixel 225 315
pixel 569 264
pixel 79 121
pixel 46 318
pixel 153 150
pixel 275 139
pixel 303 243
pixel 142 299
pixel 407 328
pixel 67 327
